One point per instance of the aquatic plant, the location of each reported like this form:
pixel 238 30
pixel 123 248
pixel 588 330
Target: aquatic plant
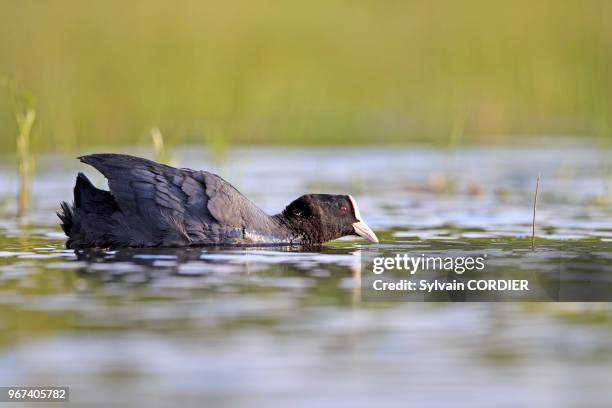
pixel 217 144
pixel 535 203
pixel 159 147
pixel 391 72
pixel 25 160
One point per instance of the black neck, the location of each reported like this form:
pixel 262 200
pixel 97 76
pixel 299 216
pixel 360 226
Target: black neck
pixel 307 230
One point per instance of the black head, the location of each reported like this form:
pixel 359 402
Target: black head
pixel 324 217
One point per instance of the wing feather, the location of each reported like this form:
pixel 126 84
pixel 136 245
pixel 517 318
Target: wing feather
pixel 182 205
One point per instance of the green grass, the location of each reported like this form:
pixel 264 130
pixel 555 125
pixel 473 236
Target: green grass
pixel 319 72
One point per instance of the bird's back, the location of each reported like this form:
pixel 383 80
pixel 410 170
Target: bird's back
pixel 151 204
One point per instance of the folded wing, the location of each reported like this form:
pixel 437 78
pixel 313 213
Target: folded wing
pixel 170 206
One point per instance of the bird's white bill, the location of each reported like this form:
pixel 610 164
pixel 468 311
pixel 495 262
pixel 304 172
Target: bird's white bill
pixel 362 229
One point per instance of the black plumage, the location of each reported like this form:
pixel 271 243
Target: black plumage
pixel 154 205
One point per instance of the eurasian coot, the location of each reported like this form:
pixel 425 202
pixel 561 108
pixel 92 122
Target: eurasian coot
pixel 154 205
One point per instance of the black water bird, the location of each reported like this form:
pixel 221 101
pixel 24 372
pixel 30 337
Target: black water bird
pixel 154 205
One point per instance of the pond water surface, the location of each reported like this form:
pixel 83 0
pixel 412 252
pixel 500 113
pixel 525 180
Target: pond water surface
pixel 286 326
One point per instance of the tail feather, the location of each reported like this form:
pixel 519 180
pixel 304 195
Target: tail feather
pixel 92 209
pixel 81 188
pixel 91 199
pixel 66 216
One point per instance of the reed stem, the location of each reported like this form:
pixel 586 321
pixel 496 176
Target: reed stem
pixel 24 159
pixel 535 203
pixel 159 147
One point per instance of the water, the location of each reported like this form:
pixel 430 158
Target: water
pixel 244 327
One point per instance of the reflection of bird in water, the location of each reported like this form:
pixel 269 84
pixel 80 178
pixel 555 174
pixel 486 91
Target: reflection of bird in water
pixel 143 264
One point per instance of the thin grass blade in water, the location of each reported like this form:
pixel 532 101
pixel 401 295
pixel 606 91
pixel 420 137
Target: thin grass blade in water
pixel 25 160
pixel 535 203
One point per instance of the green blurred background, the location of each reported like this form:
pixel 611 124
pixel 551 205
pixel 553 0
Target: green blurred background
pixel 316 72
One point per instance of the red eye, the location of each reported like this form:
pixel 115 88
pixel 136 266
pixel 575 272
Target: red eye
pixel 343 210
